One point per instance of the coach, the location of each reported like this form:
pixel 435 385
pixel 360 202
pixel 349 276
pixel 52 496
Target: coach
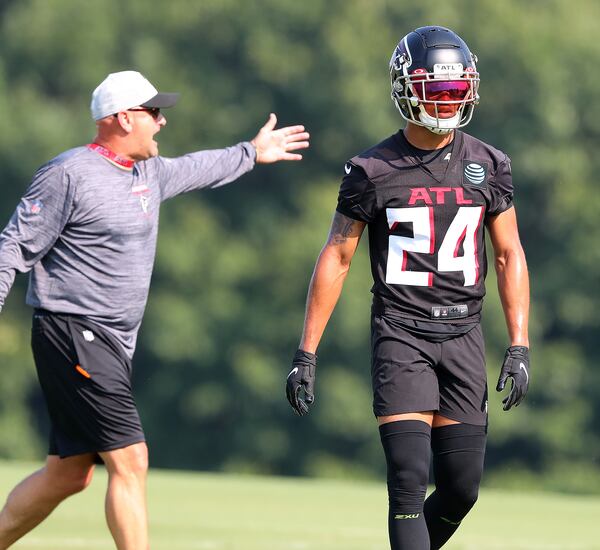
pixel 86 229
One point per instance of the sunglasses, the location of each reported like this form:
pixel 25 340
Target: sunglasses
pixel 432 90
pixel 154 112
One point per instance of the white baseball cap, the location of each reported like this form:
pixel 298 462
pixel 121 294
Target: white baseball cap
pixel 124 90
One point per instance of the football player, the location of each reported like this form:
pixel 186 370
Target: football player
pixel 427 194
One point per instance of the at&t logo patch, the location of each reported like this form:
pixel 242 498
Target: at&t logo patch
pixel 474 174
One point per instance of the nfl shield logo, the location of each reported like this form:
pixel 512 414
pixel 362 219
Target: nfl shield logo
pixel 36 206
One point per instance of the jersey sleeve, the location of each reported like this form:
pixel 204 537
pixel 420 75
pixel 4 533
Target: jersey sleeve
pixel 357 198
pixel 203 169
pixel 501 188
pixel 35 225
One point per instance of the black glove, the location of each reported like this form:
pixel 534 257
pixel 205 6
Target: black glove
pixel 302 376
pixel 516 367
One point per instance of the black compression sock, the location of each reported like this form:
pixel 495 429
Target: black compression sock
pixel 407 447
pixel 458 452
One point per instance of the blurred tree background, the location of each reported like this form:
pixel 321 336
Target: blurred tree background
pixel 233 265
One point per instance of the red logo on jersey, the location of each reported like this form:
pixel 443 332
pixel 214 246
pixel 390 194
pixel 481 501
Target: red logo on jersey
pixel 436 195
pixel 36 206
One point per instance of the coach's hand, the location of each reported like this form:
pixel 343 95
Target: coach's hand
pixel 274 145
pixel 515 367
pixel 302 379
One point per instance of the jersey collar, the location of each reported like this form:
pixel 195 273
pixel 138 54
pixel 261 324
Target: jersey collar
pixel 456 148
pixel 113 158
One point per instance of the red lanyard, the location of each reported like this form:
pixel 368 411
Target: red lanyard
pixel 112 157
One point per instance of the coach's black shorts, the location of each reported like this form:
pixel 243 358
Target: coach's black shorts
pixel 413 374
pixel 86 380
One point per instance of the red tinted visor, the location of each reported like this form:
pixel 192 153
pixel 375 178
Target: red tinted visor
pixel 434 90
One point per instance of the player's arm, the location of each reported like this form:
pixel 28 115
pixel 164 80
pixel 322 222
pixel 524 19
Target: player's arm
pixel 513 280
pixel 324 291
pixel 513 286
pixel 328 278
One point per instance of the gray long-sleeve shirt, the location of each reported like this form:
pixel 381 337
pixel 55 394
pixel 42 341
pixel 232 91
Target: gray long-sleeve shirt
pixel 87 230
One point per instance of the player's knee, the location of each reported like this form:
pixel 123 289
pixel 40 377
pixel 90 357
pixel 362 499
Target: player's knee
pixel 461 498
pixel 458 466
pixel 407 449
pixel 461 489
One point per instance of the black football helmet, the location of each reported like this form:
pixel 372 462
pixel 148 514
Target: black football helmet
pixel 433 66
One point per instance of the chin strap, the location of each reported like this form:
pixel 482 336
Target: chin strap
pixel 440 131
pixel 433 124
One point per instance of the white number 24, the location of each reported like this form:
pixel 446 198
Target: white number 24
pixel 462 230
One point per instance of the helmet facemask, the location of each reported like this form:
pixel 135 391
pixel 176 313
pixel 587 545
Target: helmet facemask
pixel 416 90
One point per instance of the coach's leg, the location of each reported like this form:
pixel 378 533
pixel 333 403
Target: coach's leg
pixel 458 454
pixel 126 512
pixel 406 442
pixel 32 500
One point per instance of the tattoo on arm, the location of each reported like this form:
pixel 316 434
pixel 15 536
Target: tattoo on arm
pixel 341 228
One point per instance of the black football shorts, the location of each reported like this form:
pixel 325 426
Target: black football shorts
pixel 413 374
pixel 85 376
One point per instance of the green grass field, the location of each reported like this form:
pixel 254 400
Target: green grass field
pixel 191 511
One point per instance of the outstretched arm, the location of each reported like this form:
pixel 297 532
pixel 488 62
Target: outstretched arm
pixel 213 168
pixel 273 145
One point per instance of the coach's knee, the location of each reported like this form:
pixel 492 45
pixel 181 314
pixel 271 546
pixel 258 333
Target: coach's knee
pixel 131 461
pixel 68 480
pixel 406 445
pixel 79 481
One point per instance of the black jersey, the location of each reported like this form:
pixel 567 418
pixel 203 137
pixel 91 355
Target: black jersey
pixel 426 220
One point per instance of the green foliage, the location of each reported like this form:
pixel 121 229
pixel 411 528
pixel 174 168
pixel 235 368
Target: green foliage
pixel 233 265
